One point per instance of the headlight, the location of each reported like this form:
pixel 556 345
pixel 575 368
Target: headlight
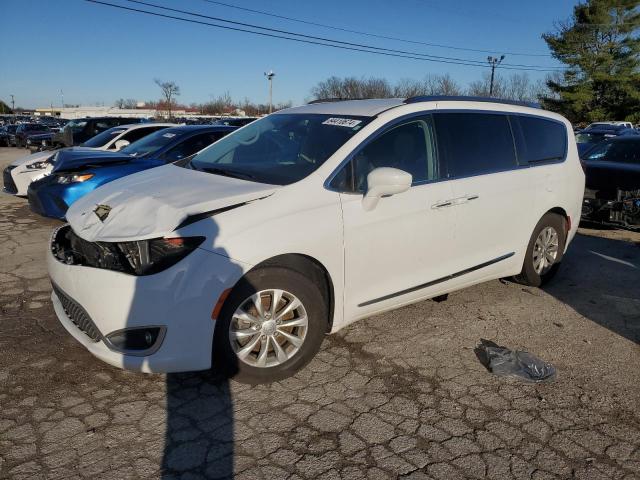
pixel 152 256
pixel 74 178
pixel 38 165
pixel 29 142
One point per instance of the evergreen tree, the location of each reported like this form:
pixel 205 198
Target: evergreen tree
pixel 601 49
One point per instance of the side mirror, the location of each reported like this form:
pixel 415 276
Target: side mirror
pixel 120 144
pixel 385 181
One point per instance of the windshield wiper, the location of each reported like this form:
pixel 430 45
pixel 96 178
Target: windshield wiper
pixel 227 173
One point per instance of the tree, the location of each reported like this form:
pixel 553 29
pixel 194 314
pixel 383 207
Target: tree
pixel 4 108
pixel 601 49
pixel 170 90
pixel 128 103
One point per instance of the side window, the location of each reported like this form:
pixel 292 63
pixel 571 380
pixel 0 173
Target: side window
pixel 475 143
pixel 539 140
pixel 191 145
pixel 409 146
pixel 138 133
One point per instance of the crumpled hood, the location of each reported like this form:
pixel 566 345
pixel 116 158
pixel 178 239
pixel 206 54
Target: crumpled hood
pixel 75 158
pixel 154 202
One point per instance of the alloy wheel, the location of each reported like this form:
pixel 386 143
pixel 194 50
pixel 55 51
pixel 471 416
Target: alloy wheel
pixel 268 328
pixel 545 250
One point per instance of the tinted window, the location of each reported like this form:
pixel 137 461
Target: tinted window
pixel 138 133
pixel 409 146
pixel 474 143
pixel 103 138
pixel 192 145
pixel 539 140
pixel 153 142
pixel 616 151
pixel 279 149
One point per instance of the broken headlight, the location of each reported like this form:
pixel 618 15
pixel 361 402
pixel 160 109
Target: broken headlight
pixel 147 257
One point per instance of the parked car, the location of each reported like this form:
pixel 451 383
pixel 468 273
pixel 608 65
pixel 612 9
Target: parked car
pixel 612 193
pixel 307 220
pixel 595 133
pixel 77 172
pixel 21 172
pixel 24 130
pixel 39 142
pixel 601 124
pixel 6 133
pixel 78 131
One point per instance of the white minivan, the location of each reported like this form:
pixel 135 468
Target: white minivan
pixel 242 257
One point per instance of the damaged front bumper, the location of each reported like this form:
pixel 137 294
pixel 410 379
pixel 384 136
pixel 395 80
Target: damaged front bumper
pixel 97 304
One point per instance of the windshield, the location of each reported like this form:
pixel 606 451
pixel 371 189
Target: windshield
pixel 591 137
pixel 616 151
pixel 279 149
pixel 76 125
pixel 152 143
pixel 103 138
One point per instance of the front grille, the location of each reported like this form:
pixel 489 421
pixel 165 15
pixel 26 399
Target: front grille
pixel 78 315
pixel 9 184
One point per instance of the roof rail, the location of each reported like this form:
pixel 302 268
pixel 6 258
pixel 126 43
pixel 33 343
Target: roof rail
pixel 329 100
pixel 463 98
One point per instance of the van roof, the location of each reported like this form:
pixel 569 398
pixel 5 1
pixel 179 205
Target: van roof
pixel 374 106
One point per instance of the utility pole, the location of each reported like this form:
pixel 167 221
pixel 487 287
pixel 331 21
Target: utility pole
pixel 493 62
pixel 270 76
pixel 13 105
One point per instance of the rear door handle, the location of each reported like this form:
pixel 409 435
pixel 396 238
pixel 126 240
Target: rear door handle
pixel 472 197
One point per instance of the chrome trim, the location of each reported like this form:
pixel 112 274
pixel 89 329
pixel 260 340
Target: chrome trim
pixel 438 280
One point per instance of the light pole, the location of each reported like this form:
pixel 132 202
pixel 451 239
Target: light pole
pixel 62 98
pixel 13 105
pixel 494 62
pixel 270 76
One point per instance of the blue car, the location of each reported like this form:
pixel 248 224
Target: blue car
pixel 76 173
pixel 598 132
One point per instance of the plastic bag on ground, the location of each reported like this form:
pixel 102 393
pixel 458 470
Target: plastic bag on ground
pixel 504 362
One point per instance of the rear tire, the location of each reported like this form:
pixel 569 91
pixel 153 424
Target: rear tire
pixel 298 324
pixel 544 251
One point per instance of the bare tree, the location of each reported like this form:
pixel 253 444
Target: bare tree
pixel 170 90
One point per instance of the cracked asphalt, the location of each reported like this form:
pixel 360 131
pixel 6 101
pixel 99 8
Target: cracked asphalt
pixel 399 395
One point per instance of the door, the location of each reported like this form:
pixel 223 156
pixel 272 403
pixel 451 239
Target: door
pixel 393 252
pixel 491 192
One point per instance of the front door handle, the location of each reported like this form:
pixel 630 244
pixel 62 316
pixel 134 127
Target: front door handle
pixel 446 203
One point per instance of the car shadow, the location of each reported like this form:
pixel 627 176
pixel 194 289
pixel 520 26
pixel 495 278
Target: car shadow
pixel 199 435
pixel 600 279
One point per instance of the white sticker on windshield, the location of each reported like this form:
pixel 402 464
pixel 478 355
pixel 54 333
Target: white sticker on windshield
pixel 342 122
pixel 169 135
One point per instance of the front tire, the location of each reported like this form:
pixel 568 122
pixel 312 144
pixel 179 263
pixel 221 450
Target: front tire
pixel 544 251
pixel 271 326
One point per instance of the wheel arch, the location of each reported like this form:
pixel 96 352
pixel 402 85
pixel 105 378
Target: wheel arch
pixel 310 267
pixel 563 213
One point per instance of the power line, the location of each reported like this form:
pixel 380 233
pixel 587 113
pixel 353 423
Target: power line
pixel 325 39
pixel 364 48
pixel 369 34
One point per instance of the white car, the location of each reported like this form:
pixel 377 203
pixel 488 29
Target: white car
pixel 307 220
pixel 21 172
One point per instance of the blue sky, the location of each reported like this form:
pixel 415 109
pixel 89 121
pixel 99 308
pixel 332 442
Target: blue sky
pixel 97 54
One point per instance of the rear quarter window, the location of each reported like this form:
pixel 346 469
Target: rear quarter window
pixel 539 140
